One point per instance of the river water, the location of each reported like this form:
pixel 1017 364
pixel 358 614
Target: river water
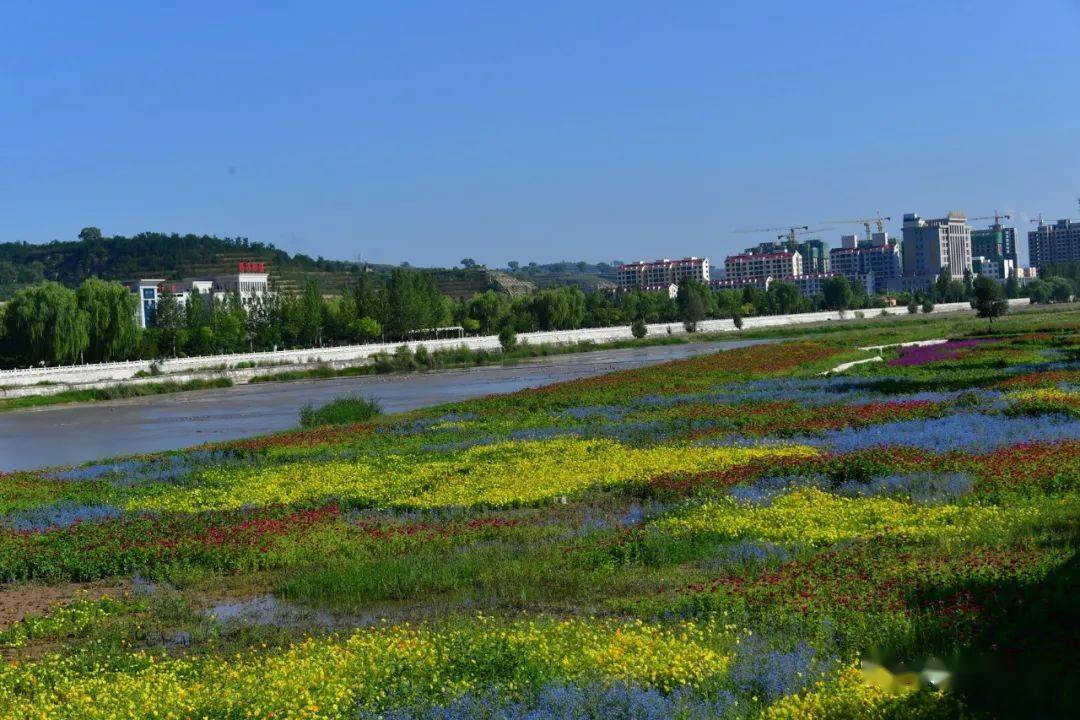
pixel 68 434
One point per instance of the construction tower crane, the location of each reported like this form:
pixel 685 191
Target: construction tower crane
pixel 793 233
pixel 878 220
pixel 996 216
pixel 789 230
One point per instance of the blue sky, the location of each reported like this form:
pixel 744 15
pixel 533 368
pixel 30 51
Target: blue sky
pixel 431 131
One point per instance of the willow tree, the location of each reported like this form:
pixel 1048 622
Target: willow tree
pixel 113 332
pixel 44 323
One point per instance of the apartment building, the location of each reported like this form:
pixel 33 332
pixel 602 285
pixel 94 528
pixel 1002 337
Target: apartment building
pixel 995 242
pixel 750 267
pixel 856 261
pixel 815 253
pixel 1055 243
pixel 664 272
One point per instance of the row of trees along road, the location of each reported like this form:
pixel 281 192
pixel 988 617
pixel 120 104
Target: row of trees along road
pixel 49 323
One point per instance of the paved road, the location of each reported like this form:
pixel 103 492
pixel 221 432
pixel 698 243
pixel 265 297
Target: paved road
pixel 67 434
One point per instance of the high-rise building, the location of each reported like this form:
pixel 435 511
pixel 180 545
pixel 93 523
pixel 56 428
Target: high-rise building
pixel 858 261
pixel 641 274
pixel 996 242
pixel 815 253
pixel 930 245
pixel 1055 243
pixel 755 267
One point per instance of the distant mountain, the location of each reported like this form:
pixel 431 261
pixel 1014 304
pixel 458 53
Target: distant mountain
pixel 585 275
pixel 172 256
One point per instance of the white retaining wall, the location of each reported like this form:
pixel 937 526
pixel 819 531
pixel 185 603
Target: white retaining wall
pixel 106 373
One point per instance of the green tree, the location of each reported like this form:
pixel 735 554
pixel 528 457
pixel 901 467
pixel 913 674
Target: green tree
pixel 311 316
pixel 693 303
pixel 784 298
pixel 1012 285
pixel 638 328
pixel 988 299
pixel 368 329
pixel 169 325
pixel 112 330
pixel 227 323
pixel 44 323
pixel 836 292
pixel 90 234
pixel 344 319
pixel 198 314
pixel 507 338
pixel 264 321
pixel 1061 290
pixel 368 301
pixel 941 285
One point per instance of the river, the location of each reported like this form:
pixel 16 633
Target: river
pixel 69 434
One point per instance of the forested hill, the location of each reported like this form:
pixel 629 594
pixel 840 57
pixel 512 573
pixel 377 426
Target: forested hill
pixel 171 255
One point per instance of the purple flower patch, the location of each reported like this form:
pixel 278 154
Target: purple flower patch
pixel 924 354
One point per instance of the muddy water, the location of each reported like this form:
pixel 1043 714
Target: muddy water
pixel 67 434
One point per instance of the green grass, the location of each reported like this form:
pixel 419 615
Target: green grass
pixel 342 411
pixel 112 392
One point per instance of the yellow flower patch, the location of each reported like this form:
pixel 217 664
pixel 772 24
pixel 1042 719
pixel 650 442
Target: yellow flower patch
pixel 819 518
pixel 505 474
pixel 331 678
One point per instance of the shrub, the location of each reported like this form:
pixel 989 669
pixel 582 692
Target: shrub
pixel 342 411
pixel 638 329
pixel 425 358
pixel 737 319
pixel 507 338
pixel 382 362
pixel 928 305
pixel 913 307
pixel 403 359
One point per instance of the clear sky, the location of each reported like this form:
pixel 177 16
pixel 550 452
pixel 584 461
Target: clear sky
pixel 432 131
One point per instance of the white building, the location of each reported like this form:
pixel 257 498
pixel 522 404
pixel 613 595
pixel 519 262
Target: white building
pixel 250 281
pixel 749 267
pixel 665 272
pixel 810 284
pixel 997 268
pixel 671 289
pixel 148 291
pixel 930 245
pixel 729 284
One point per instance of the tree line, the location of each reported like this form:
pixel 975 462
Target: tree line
pixel 96 322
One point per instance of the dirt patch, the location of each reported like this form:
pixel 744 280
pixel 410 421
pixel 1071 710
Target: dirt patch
pixel 20 601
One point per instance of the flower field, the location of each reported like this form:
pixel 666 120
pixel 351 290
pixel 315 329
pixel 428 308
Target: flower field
pixel 739 535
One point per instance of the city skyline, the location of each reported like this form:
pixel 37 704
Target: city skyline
pixel 614 131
